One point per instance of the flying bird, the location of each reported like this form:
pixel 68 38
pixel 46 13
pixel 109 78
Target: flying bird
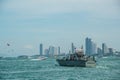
pixel 8 44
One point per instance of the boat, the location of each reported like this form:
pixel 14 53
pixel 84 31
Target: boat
pixel 39 58
pixel 77 59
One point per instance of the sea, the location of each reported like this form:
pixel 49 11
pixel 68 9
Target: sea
pixel 107 68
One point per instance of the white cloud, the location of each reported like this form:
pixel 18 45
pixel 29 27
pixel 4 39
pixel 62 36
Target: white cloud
pixel 41 7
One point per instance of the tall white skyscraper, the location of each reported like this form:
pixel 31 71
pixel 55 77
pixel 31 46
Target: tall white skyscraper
pixel 51 50
pixel 104 48
pixel 55 51
pixel 94 48
pixel 46 52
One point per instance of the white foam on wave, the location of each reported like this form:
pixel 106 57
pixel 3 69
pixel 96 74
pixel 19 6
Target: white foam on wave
pixel 102 67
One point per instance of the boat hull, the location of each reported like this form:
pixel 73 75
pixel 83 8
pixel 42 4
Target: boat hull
pixel 71 63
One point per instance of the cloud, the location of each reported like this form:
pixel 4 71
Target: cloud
pixel 36 12
pixel 47 7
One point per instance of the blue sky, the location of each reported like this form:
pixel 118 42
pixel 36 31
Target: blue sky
pixel 27 23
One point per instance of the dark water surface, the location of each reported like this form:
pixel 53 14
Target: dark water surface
pixel 108 68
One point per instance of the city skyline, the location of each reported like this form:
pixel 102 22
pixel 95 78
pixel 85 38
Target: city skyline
pixel 90 48
pixel 24 24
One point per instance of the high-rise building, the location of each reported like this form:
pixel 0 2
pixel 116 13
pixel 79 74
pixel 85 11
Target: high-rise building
pixel 55 51
pixel 51 50
pixel 59 50
pixel 41 49
pixel 99 51
pixel 46 52
pixel 94 48
pixel 110 51
pixel 104 48
pixel 72 48
pixel 88 46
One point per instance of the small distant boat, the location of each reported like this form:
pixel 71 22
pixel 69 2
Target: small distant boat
pixel 39 58
pixel 77 59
